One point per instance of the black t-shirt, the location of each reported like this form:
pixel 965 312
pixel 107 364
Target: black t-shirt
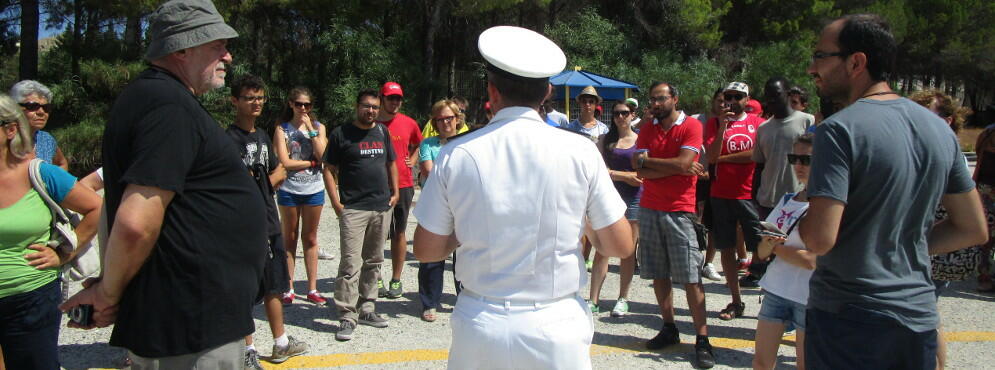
pixel 256 151
pixel 197 287
pixel 361 157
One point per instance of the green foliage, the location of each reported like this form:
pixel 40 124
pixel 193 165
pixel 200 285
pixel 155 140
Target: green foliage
pixel 81 144
pixel 788 59
pixel 696 78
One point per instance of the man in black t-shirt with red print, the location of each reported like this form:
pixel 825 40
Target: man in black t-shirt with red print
pixel 362 156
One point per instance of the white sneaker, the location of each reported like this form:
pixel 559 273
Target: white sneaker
pixel 708 272
pixel 322 255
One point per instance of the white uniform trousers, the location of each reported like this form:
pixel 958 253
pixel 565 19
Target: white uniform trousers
pixel 492 333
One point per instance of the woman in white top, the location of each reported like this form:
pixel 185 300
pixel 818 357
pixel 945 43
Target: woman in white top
pixel 300 142
pixel 786 282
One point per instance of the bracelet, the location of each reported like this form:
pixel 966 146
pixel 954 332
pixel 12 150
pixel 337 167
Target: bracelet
pixel 312 133
pixel 314 163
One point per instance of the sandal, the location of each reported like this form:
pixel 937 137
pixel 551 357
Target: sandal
pixel 428 315
pixel 732 311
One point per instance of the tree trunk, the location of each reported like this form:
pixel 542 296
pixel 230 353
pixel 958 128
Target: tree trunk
pixel 29 40
pixel 434 18
pixel 77 37
pixel 132 37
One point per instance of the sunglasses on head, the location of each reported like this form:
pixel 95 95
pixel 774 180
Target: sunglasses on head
pixel 733 96
pixel 32 106
pixel 621 113
pixel 302 105
pixel 802 159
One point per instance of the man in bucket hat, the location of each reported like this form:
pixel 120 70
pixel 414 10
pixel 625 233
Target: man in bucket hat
pixel 186 244
pixel 522 310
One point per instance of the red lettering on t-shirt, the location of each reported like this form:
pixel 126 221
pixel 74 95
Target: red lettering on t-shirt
pixel 734 180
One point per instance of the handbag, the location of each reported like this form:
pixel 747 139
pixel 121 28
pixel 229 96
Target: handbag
pixel 958 265
pixel 86 263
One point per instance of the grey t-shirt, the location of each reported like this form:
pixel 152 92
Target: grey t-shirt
pixel 775 140
pixel 889 162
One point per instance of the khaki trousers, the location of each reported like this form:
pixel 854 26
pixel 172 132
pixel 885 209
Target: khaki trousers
pixel 362 236
pixel 228 356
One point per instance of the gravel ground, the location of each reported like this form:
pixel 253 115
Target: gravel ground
pixel 618 341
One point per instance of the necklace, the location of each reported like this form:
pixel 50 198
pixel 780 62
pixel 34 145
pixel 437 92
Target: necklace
pixel 879 93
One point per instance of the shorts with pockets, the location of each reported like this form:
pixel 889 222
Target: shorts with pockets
pixel 668 247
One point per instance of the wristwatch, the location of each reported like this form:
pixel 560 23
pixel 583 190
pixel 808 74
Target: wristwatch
pixel 312 133
pixel 640 160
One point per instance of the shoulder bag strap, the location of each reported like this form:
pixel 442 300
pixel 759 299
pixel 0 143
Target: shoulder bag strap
pixel 34 173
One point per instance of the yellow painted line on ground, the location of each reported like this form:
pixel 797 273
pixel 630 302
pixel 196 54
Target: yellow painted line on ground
pixel 402 356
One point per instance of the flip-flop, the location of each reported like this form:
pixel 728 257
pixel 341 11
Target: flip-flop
pixel 732 311
pixel 428 315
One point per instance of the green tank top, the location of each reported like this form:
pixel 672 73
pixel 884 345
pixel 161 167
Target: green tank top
pixel 22 224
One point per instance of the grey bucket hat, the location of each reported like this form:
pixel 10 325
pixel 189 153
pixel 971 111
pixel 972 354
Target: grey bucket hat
pixel 181 24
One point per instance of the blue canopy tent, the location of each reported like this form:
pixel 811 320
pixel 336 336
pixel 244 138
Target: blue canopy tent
pixel 568 84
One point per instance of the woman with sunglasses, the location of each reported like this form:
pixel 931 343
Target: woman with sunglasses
pixel 30 290
pixel 34 99
pixel 302 196
pixel 785 283
pixel 617 147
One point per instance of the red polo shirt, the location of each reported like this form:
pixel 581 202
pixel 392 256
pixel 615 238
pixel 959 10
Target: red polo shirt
pixel 675 193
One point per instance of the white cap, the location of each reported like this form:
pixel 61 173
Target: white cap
pixel 521 52
pixel 738 86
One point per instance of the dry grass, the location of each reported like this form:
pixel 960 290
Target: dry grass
pixel 968 137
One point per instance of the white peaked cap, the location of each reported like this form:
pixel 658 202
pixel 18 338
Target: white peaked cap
pixel 521 52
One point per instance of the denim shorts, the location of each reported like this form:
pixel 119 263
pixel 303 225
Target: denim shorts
pixel 782 310
pixel 286 199
pixel 632 206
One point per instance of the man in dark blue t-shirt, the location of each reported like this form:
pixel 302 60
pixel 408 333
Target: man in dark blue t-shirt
pixel 879 168
pixel 361 156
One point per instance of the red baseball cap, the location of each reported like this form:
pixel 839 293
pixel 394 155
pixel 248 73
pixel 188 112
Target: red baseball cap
pixel 391 88
pixel 487 106
pixel 754 107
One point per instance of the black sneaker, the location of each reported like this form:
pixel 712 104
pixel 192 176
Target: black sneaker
pixel 395 291
pixel 749 281
pixel 668 336
pixel 346 328
pixel 703 357
pixel 372 319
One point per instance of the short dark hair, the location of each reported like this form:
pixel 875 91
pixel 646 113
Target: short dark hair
pixel 519 91
pixel 869 34
pixel 802 94
pixel 246 82
pixel 367 92
pixel 670 86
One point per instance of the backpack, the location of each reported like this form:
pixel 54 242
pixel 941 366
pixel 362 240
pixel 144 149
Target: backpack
pixel 63 232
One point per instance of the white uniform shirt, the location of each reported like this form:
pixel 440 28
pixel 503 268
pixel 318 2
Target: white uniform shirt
pixel 515 193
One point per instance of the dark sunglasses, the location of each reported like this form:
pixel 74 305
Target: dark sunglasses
pixel 802 159
pixel 733 96
pixel 621 113
pixel 32 106
pixel 302 105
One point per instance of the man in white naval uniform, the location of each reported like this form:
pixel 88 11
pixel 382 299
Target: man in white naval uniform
pixel 513 196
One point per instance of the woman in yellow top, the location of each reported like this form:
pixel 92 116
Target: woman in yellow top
pixel 29 269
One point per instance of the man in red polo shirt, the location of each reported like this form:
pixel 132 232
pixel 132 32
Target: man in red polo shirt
pixel 406 136
pixel 729 140
pixel 669 251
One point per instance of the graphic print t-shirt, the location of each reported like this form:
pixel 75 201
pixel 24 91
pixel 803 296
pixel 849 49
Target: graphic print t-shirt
pixel 734 180
pixel 256 151
pixel 404 134
pixel 361 157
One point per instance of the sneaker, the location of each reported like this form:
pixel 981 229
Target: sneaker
pixel 322 255
pixel 703 357
pixel 589 264
pixel 372 319
pixel 294 348
pixel 744 264
pixel 667 336
pixel 346 328
pixel 709 272
pixel 381 290
pixel 593 307
pixel 288 298
pixel 315 297
pixel 621 308
pixel 395 290
pixel 252 360
pixel 749 281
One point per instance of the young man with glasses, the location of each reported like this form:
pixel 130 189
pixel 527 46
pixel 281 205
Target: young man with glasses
pixel 248 95
pixel 361 154
pixel 729 139
pixel 879 168
pixel 669 252
pixel 406 136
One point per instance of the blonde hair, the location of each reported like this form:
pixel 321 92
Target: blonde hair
pixel 21 145
pixel 451 104
pixel 946 105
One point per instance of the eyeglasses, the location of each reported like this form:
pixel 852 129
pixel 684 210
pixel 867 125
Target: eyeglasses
pixel 302 105
pixel 446 119
pixel 621 113
pixel 733 96
pixel 33 106
pixel 659 99
pixel 823 55
pixel 802 159
pixel 254 99
pixel 369 106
